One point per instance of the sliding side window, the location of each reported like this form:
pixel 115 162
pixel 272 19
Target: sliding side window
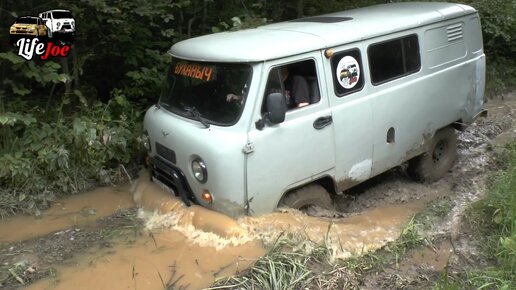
pixel 393 59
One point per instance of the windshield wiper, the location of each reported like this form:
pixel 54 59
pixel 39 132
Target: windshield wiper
pixel 160 104
pixel 193 111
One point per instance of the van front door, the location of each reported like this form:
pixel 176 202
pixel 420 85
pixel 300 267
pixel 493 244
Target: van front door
pixel 298 150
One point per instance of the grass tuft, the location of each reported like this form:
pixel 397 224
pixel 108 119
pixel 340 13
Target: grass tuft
pixel 281 268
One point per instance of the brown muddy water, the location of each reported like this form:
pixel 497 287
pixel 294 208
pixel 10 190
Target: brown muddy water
pixel 70 211
pixel 191 247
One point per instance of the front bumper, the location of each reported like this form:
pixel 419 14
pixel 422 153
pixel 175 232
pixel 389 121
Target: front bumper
pixel 65 32
pixel 22 33
pixel 171 176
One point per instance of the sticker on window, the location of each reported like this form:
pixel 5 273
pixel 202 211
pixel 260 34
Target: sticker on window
pixel 348 72
pixel 195 71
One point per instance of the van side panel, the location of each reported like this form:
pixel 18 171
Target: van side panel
pixel 448 88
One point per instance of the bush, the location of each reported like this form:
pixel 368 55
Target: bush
pixel 44 152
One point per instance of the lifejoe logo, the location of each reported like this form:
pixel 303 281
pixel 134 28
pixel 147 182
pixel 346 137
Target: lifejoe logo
pixel 49 34
pixel 28 47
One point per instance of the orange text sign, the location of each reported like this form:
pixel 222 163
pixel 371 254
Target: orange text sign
pixel 195 71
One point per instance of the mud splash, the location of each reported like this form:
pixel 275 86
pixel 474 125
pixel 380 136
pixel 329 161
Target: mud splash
pixel 345 237
pixel 71 211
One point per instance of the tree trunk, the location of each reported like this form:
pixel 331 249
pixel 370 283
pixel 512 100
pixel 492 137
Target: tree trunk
pixel 75 73
pixel 300 7
pixel 204 16
pixel 66 70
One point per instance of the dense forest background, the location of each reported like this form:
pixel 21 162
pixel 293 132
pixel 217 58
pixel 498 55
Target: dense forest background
pixel 72 123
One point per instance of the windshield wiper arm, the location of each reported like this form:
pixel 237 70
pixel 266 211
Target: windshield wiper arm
pixel 193 111
pixel 160 104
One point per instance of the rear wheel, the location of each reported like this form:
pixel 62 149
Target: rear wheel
pixel 306 196
pixel 435 163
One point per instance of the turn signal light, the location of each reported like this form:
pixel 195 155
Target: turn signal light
pixel 328 53
pixel 206 196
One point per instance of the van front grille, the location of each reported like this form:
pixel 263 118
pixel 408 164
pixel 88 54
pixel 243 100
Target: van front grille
pixel 166 153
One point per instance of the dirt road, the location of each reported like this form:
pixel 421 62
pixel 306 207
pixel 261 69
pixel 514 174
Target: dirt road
pixel 98 240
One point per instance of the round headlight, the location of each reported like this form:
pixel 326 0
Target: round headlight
pixel 199 170
pixel 146 141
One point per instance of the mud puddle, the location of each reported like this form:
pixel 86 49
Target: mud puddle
pixel 180 247
pixel 76 210
pixel 156 261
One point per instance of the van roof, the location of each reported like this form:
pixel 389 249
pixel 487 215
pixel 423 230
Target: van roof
pixel 55 10
pixel 313 33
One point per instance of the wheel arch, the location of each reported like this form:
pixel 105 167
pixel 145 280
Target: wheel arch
pixel 327 182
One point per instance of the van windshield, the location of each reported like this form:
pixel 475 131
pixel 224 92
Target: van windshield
pixel 207 92
pixel 62 14
pixel 27 20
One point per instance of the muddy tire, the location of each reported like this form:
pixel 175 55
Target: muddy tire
pixel 310 195
pixel 440 158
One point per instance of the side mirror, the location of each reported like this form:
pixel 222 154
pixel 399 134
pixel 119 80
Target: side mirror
pixel 275 110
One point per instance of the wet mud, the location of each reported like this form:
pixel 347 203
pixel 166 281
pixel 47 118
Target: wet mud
pixel 71 211
pixel 184 247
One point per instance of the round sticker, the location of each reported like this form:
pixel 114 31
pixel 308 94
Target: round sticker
pixel 348 72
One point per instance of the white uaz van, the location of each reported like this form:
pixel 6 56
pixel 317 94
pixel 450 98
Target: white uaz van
pixel 291 113
pixel 59 22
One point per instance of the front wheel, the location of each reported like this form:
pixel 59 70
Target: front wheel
pixel 306 196
pixel 440 158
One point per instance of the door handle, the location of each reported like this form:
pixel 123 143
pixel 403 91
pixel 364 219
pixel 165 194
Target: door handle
pixel 322 122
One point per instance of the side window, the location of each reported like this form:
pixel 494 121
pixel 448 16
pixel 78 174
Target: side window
pixel 392 59
pixel 347 72
pixel 298 82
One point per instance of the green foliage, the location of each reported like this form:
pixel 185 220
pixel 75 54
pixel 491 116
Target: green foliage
pixel 64 155
pixel 23 78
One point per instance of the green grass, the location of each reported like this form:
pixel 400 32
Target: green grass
pixel 279 269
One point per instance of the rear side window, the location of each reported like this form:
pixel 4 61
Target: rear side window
pixel 347 72
pixel 393 59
